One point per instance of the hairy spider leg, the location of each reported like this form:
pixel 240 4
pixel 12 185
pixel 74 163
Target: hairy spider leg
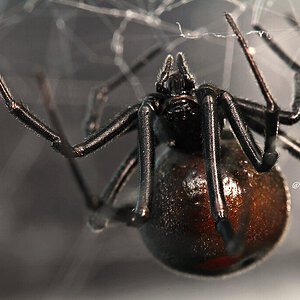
pixel 102 137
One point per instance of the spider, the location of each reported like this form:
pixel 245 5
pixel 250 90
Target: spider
pixel 213 204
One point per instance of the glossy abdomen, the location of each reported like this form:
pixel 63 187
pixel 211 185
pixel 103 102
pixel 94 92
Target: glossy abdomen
pixel 181 231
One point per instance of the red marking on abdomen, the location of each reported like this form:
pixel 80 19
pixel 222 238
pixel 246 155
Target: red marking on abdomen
pixel 218 263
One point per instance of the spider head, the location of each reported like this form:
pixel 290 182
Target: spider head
pixel 175 82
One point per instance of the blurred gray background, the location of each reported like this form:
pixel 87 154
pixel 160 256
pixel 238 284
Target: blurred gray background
pixel 46 249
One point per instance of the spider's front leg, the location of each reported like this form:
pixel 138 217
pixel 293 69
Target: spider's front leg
pixel 211 134
pixel 146 158
pixel 110 132
pixel 261 161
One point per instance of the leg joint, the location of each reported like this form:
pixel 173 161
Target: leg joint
pixel 13 106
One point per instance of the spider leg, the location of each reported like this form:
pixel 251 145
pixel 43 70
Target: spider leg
pixel 102 137
pixel 265 161
pixel 119 180
pixel 285 117
pixel 288 143
pixel 211 131
pixel 120 125
pixel 262 161
pixel 146 141
pixel 105 211
pixel 271 104
pixel 145 153
pixel 99 96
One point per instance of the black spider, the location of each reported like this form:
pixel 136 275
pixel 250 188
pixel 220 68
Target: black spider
pixel 191 120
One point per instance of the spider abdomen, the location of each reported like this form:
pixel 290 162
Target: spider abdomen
pixel 181 231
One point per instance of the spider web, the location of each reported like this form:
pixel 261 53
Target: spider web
pixel 45 245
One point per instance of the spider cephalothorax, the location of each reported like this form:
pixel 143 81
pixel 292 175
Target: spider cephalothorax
pixel 177 107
